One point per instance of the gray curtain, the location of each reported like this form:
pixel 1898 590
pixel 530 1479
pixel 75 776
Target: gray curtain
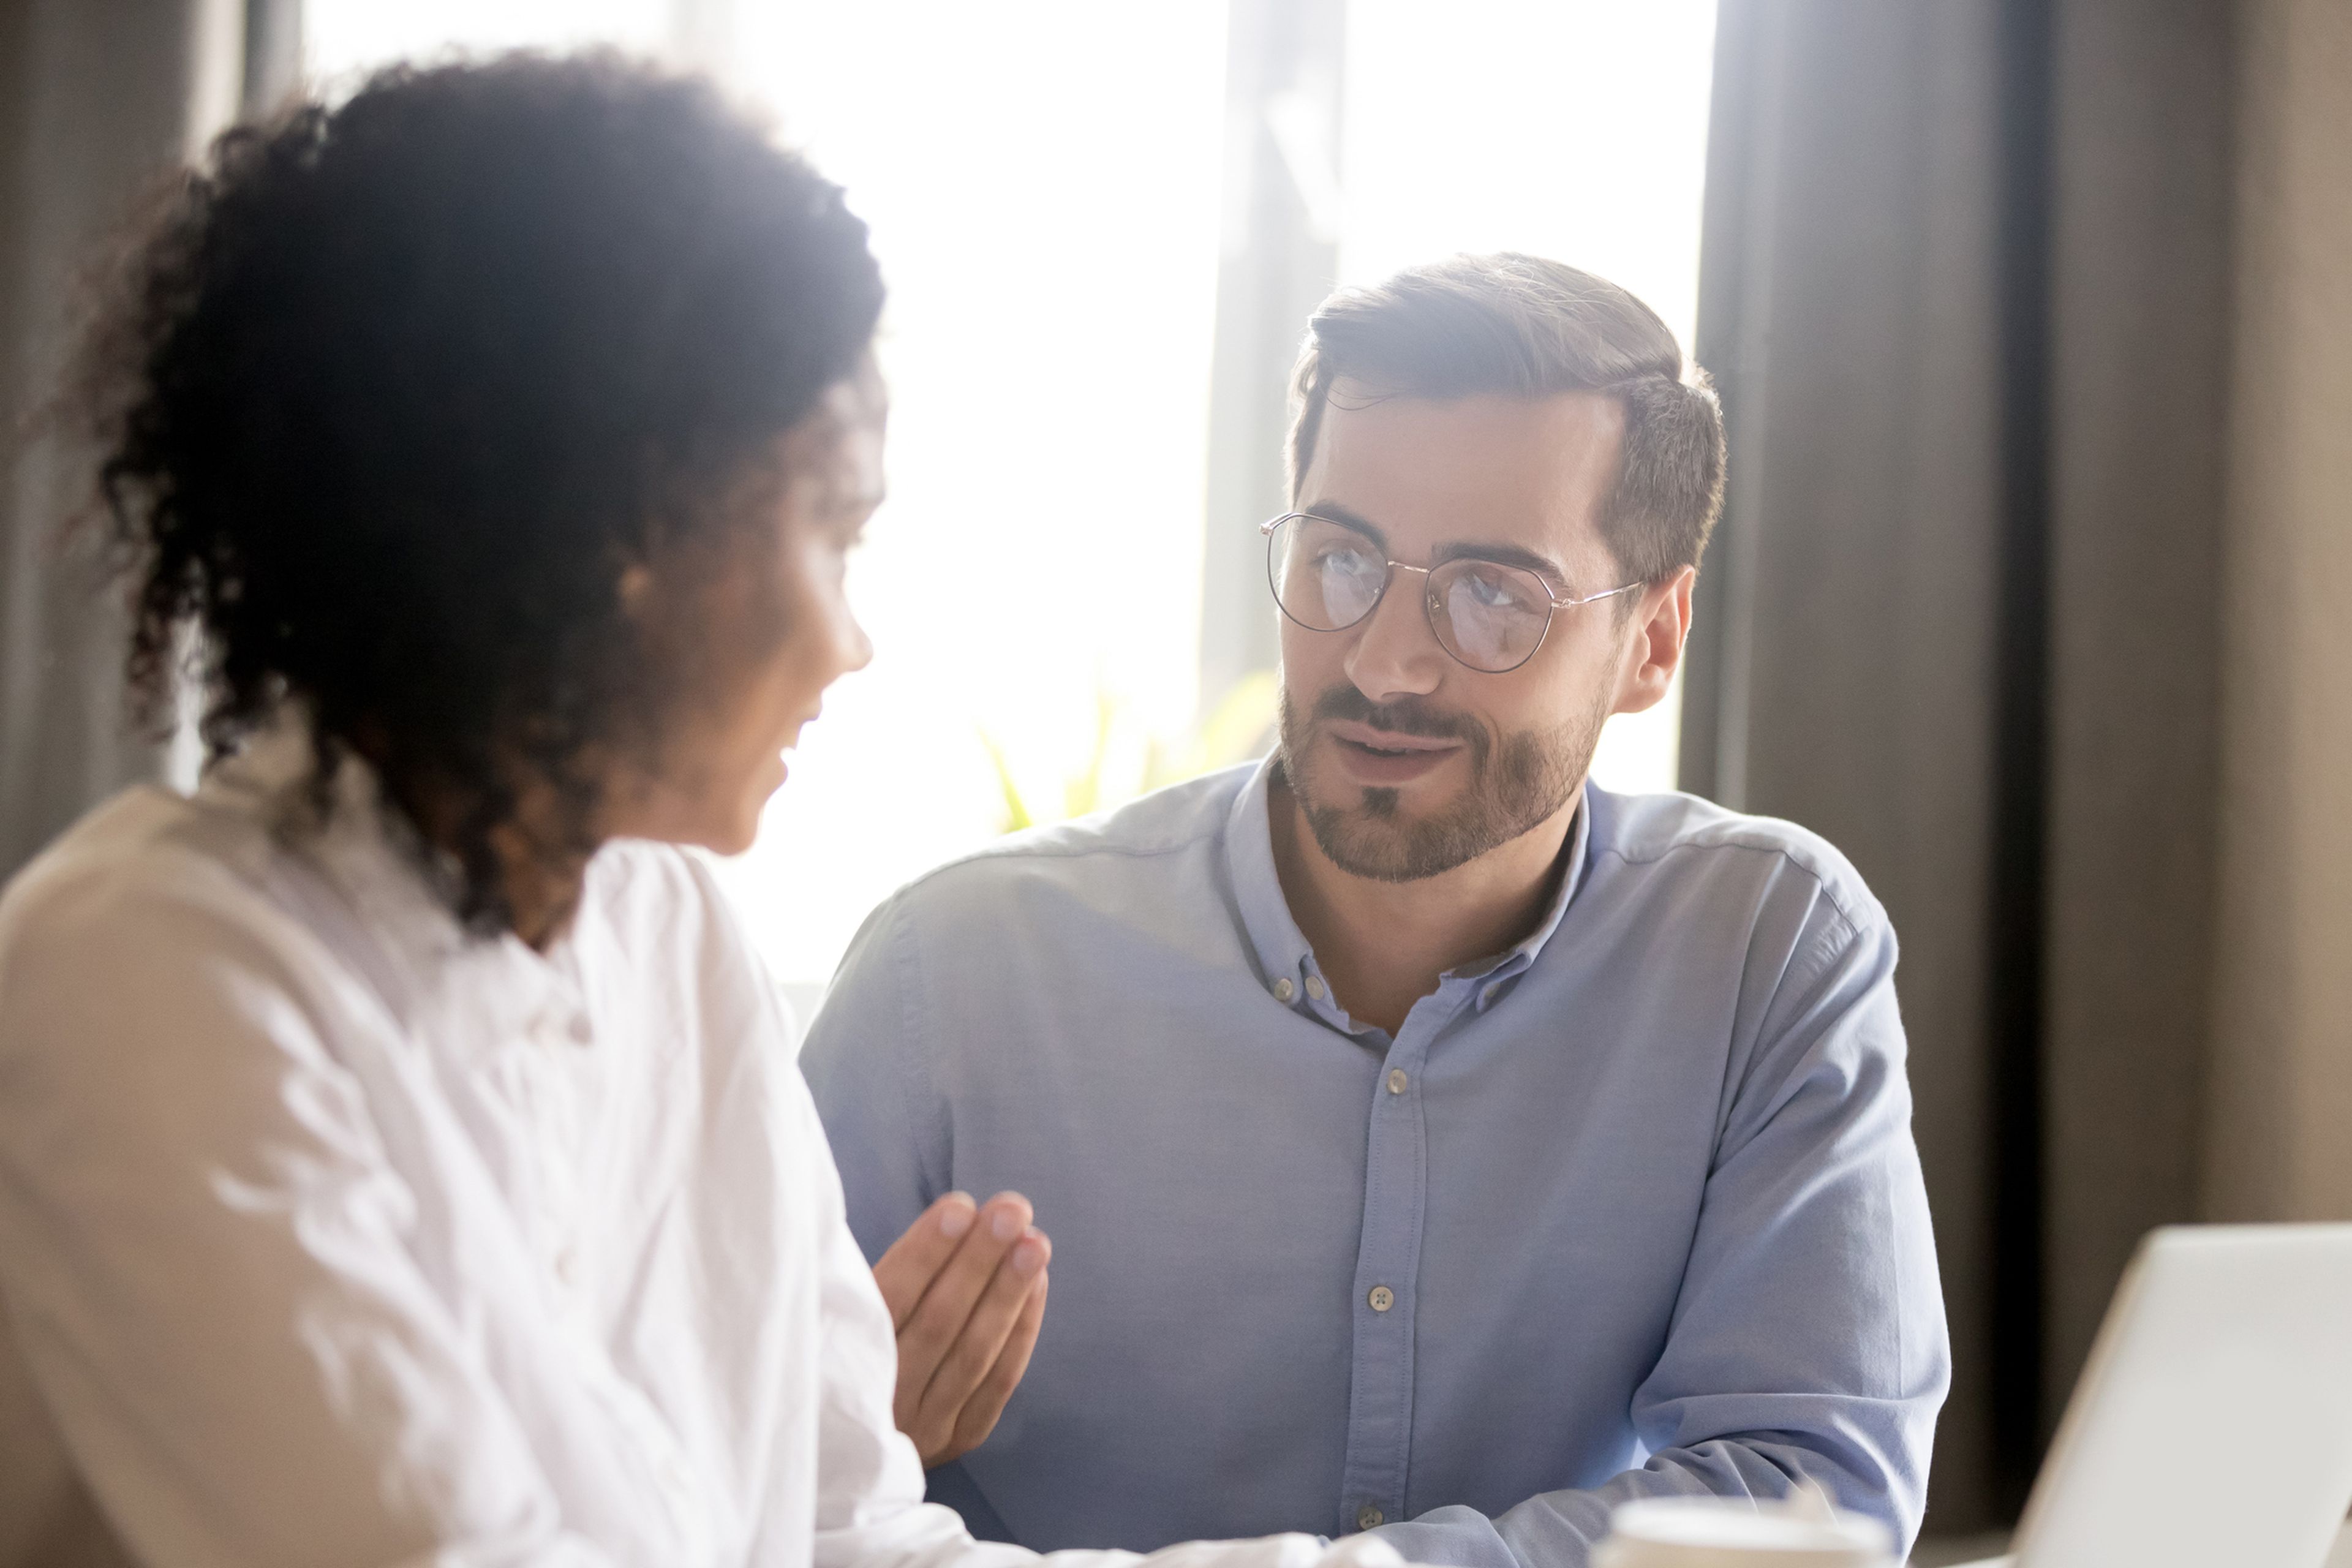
pixel 101 98
pixel 97 98
pixel 1965 290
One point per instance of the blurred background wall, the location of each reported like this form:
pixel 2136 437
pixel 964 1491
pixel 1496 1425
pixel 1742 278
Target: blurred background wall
pixel 2033 323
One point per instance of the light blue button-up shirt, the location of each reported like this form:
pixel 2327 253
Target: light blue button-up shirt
pixel 1632 1208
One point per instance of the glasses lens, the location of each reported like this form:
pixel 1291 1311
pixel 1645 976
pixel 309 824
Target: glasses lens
pixel 1325 577
pixel 1490 618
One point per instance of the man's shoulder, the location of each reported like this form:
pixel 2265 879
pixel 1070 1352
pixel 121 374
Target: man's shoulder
pixel 1069 911
pixel 1678 839
pixel 1160 843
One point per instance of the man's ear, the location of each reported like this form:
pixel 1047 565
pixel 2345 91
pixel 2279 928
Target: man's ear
pixel 636 587
pixel 1661 618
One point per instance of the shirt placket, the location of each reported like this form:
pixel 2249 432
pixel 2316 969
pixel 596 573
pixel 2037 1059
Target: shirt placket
pixel 1388 1271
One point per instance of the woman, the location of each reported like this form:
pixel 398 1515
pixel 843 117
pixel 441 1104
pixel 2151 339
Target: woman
pixel 401 1156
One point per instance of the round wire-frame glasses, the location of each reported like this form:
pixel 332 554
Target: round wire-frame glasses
pixel 1487 616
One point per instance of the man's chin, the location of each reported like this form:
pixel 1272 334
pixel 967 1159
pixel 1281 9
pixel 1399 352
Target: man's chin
pixel 1376 840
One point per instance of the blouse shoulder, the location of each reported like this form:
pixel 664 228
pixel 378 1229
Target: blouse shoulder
pixel 144 857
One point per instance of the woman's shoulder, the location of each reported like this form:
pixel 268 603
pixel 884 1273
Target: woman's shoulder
pixel 155 917
pixel 146 855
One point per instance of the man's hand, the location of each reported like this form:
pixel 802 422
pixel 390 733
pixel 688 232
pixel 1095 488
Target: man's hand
pixel 966 1287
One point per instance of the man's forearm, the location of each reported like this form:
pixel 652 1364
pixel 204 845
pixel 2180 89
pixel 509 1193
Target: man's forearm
pixel 1560 1529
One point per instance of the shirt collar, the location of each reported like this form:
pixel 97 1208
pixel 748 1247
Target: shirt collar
pixel 1286 963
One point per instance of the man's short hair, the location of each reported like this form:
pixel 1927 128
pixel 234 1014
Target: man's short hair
pixel 1524 327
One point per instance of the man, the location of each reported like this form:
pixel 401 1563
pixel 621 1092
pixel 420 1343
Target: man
pixel 1433 1143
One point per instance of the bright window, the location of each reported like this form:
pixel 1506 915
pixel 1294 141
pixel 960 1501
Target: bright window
pixel 1046 183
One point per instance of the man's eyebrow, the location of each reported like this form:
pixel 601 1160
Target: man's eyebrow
pixel 1507 556
pixel 1501 554
pixel 1332 511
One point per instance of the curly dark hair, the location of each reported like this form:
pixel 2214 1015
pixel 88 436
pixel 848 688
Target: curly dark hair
pixel 394 392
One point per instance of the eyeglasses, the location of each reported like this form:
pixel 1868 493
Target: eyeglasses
pixel 1492 617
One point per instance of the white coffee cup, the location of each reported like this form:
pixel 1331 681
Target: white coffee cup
pixel 1733 1533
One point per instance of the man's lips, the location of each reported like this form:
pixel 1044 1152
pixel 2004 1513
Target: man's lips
pixel 1365 736
pixel 1380 759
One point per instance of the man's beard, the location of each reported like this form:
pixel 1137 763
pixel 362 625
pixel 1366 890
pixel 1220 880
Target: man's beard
pixel 1516 783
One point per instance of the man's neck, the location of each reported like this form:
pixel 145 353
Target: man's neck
pixel 1381 946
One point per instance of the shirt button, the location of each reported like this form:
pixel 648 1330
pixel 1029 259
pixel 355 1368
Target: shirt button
pixel 1315 987
pixel 1491 993
pixel 1381 1299
pixel 1284 990
pixel 567 1267
pixel 1369 1518
pixel 1396 1080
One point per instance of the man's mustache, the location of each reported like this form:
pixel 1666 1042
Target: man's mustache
pixel 1409 716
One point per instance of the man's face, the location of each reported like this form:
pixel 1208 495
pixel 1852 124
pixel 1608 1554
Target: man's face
pixel 1407 762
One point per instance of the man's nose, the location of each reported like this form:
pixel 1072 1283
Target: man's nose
pixel 1395 653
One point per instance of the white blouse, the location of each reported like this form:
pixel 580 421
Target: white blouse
pixel 330 1236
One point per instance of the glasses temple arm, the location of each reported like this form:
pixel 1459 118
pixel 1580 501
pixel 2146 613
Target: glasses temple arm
pixel 1592 598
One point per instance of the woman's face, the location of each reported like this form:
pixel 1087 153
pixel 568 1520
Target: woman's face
pixel 758 636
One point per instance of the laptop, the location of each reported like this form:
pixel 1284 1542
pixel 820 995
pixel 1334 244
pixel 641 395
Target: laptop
pixel 2213 1424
